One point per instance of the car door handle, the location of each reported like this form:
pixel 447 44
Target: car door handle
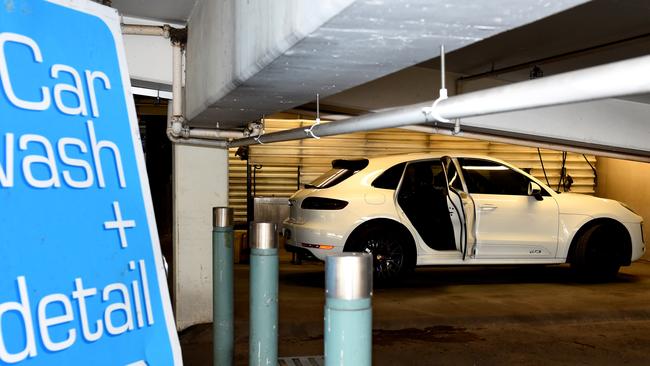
pixel 488 207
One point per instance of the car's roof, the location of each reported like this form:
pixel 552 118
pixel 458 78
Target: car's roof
pixel 396 159
pixel 385 162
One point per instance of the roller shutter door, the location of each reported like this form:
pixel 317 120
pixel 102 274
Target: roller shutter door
pixel 283 166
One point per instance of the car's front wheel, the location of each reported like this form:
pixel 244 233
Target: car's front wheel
pixel 596 254
pixel 392 256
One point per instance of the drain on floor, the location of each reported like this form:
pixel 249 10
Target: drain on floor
pixel 302 361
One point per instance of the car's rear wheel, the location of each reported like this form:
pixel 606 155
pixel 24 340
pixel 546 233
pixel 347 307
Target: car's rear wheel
pixel 392 256
pixel 597 256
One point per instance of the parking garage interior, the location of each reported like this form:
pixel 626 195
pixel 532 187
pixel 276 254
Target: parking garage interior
pixel 253 69
pixel 585 35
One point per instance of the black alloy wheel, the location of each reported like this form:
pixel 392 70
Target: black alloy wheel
pixel 597 257
pixel 388 257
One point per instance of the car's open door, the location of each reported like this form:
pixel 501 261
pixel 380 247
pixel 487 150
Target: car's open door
pixel 461 205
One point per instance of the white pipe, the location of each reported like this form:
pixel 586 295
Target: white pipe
pixel 220 144
pixel 177 137
pixel 606 81
pixel 442 67
pixel 202 133
pixel 146 30
pixel 529 143
pixel 176 131
pixel 175 128
pixel 177 79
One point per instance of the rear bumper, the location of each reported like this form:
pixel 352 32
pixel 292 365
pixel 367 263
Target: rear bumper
pixel 310 238
pixel 304 253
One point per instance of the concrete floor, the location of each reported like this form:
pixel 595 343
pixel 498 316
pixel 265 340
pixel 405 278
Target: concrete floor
pixel 464 316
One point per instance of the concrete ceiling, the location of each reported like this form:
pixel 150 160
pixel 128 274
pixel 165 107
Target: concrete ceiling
pixel 593 33
pixel 174 11
pixel 365 41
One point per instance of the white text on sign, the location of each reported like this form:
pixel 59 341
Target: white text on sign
pixel 84 161
pixel 45 101
pixel 75 172
pixel 91 329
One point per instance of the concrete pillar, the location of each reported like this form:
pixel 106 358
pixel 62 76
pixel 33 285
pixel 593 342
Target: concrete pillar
pixel 200 183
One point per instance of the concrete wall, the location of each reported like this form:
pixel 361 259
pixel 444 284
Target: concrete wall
pixel 149 58
pixel 200 183
pixel 626 181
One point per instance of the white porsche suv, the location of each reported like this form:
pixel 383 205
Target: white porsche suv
pixel 424 209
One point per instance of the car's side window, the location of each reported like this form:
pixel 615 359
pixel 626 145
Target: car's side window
pixel 423 198
pixel 488 177
pixel 390 178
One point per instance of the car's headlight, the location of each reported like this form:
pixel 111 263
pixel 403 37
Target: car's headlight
pixel 628 207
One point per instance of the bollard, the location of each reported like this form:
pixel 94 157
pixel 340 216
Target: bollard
pixel 348 309
pixel 222 286
pixel 263 349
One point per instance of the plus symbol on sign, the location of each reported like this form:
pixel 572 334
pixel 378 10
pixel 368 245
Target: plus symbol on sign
pixel 119 224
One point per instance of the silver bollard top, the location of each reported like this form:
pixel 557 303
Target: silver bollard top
pixel 348 276
pixel 222 216
pixel 263 235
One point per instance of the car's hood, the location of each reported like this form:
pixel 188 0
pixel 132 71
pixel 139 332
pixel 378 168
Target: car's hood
pixel 582 204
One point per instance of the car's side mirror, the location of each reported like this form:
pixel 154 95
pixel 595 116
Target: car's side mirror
pixel 535 190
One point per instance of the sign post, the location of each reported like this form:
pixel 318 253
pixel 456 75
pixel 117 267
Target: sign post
pixel 81 273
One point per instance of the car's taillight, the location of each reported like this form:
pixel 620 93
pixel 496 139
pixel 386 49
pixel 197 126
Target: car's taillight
pixel 319 203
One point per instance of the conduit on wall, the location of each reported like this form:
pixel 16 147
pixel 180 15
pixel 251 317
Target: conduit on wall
pixel 606 81
pixel 177 129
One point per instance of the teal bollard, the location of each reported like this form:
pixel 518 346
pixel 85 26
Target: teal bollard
pixel 263 349
pixel 222 287
pixel 348 310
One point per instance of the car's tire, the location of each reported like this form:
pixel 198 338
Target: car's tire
pixel 393 255
pixel 597 255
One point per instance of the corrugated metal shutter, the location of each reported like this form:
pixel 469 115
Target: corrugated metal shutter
pixel 282 165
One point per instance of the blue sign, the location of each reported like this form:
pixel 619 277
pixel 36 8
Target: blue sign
pixel 81 273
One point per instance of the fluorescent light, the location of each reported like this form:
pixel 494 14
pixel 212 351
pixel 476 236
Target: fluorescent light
pixel 151 92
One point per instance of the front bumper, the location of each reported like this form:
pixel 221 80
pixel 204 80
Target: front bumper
pixel 638 242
